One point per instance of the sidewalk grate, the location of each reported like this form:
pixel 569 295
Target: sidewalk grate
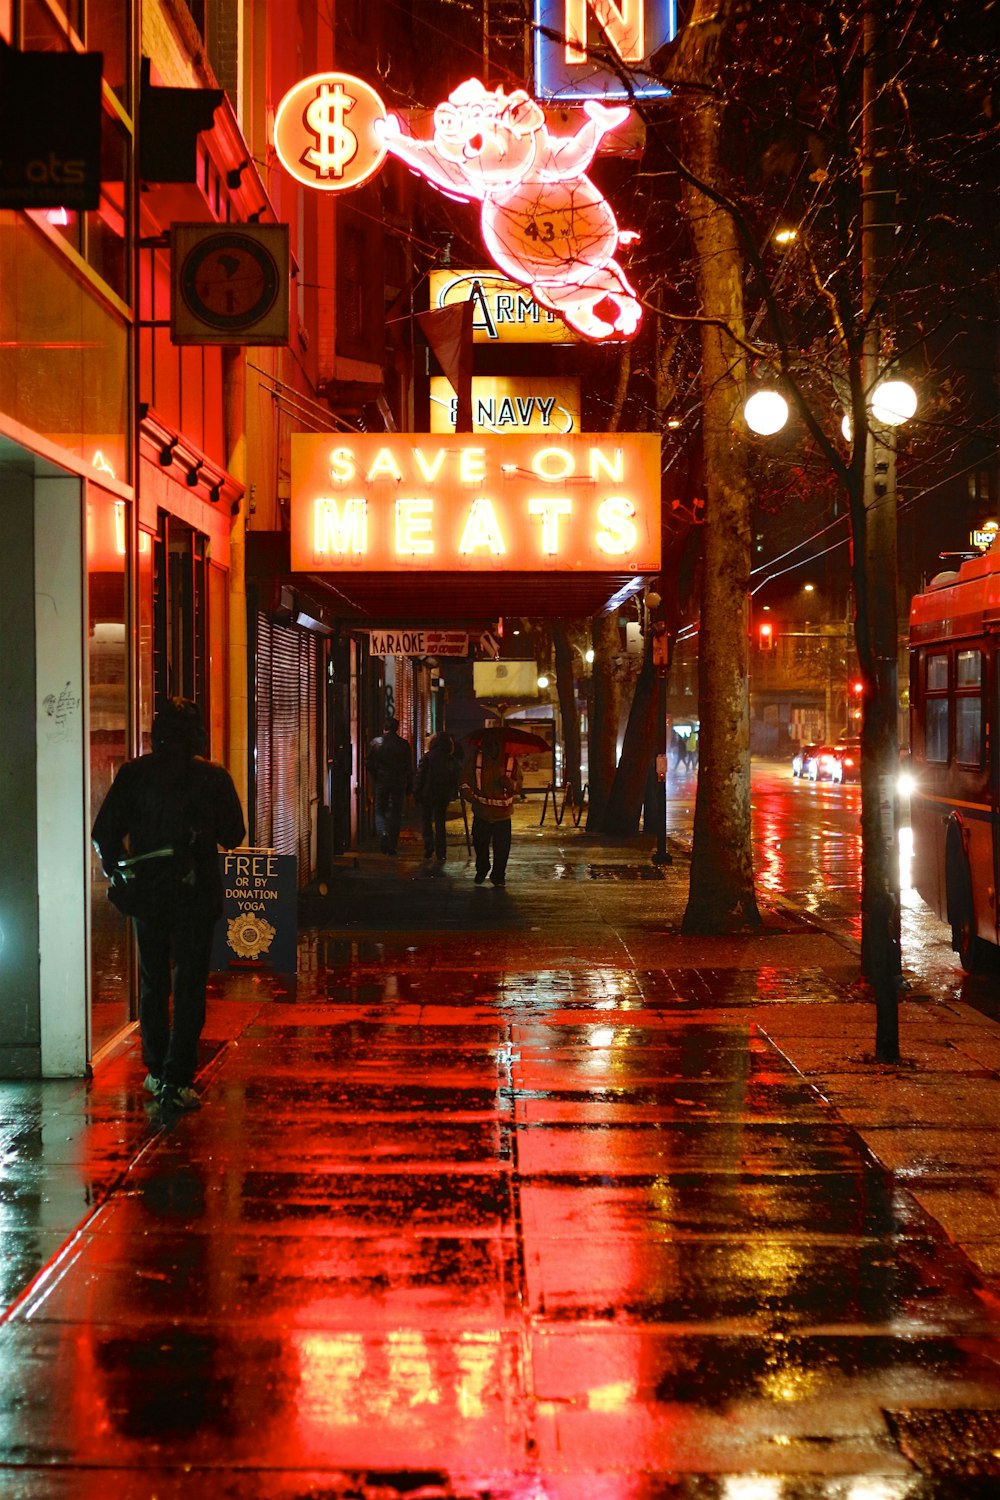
pixel 625 872
pixel 954 1442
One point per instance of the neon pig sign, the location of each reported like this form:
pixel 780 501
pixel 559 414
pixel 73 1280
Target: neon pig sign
pixel 405 502
pixel 543 221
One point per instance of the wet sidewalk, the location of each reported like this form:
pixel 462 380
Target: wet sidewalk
pixel 515 1193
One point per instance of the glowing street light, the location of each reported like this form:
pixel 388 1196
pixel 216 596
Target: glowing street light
pixel 893 402
pixel 765 412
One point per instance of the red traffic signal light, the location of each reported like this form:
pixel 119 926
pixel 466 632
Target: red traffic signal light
pixel 765 635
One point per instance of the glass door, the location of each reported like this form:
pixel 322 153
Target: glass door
pixel 108 530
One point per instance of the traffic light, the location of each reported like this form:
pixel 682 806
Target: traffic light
pixel 765 635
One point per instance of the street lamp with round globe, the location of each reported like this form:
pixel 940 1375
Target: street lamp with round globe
pixel 765 413
pixel 893 402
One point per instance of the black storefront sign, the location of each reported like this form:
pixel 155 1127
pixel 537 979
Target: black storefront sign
pixel 259 926
pixel 50 129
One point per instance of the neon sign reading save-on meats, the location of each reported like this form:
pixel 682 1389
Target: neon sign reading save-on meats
pixel 518 502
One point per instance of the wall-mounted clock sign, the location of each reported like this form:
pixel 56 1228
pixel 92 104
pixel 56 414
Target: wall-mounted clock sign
pixel 229 284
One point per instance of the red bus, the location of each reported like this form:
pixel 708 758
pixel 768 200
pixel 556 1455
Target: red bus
pixel 955 799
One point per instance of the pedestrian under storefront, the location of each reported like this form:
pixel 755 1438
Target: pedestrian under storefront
pixel 390 768
pixel 489 786
pixel 435 787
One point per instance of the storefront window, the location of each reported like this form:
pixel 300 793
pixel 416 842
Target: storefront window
pixel 107 31
pixel 108 524
pixel 63 354
pixel 40 31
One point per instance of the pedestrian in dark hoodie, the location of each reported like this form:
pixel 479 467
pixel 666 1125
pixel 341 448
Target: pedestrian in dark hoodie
pixel 175 808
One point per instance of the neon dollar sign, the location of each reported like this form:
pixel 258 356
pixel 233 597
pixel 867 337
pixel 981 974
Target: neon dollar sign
pixel 337 145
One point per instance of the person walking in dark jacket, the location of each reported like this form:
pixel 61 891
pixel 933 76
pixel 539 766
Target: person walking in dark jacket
pixel 390 767
pixel 436 785
pixel 173 798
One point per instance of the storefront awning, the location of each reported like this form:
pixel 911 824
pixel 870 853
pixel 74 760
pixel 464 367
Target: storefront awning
pixel 426 598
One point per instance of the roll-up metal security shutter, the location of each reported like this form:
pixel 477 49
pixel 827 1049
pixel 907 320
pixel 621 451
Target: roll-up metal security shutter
pixel 286 783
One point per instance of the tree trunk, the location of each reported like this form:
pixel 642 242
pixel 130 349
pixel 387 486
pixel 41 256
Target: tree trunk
pixel 628 790
pixel 566 688
pixel 721 894
pixel 606 710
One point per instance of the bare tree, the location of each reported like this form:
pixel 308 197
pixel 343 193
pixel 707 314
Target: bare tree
pixel 829 108
pixel 721 893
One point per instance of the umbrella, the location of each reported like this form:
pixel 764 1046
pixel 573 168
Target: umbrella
pixel 515 741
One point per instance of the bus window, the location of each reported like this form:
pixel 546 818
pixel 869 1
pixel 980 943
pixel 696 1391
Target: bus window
pixel 936 706
pixel 969 708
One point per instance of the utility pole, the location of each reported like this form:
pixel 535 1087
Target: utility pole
pixel 880 899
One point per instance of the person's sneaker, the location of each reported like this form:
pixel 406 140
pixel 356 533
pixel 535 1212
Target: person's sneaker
pixel 152 1084
pixel 497 880
pixel 479 879
pixel 173 1096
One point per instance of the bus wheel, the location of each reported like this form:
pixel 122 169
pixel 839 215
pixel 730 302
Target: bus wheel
pixel 962 913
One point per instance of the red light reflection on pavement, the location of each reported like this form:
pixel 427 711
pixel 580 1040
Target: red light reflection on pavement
pixel 542 1233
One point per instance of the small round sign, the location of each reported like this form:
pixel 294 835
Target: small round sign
pixel 324 132
pixel 230 281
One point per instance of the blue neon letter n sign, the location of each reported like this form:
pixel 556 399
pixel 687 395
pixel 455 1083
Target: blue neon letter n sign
pixel 630 30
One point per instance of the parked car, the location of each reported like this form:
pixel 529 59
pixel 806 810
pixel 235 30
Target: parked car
pixel 800 757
